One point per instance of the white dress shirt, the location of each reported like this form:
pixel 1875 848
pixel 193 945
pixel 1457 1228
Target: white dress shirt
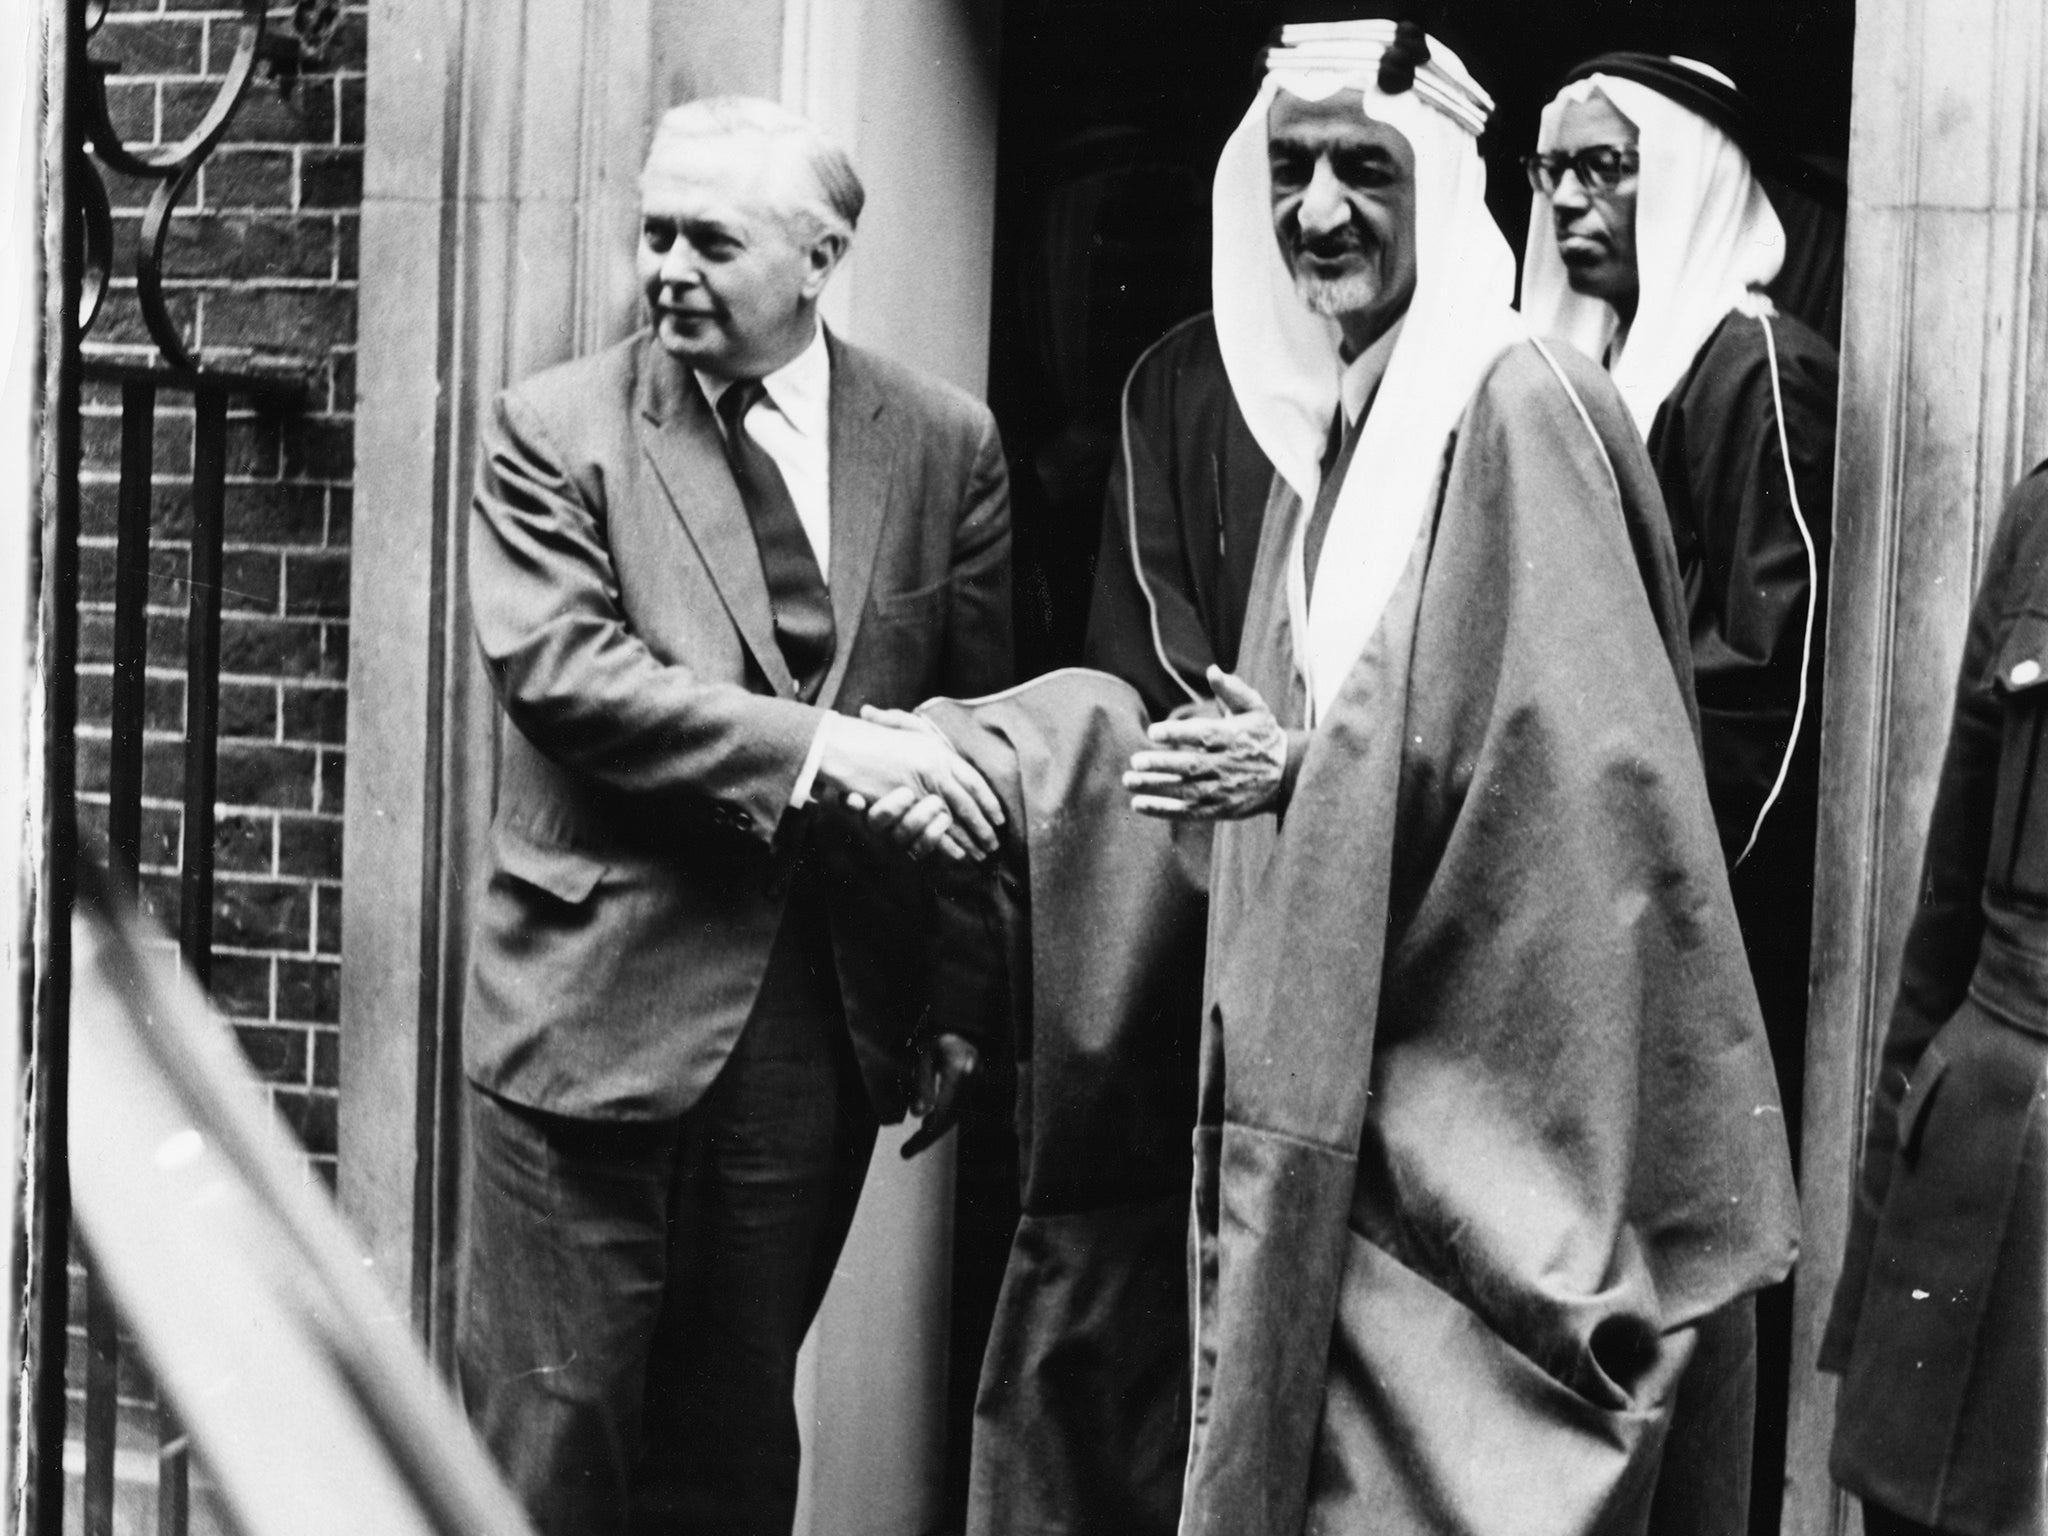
pixel 1362 375
pixel 793 425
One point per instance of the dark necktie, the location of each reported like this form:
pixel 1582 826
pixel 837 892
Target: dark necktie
pixel 1343 442
pixel 796 587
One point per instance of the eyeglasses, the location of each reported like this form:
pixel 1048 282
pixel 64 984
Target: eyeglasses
pixel 1599 167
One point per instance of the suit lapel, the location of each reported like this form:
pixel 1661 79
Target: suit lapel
pixel 863 450
pixel 681 440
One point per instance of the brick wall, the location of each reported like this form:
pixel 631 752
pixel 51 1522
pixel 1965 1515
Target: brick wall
pixel 261 262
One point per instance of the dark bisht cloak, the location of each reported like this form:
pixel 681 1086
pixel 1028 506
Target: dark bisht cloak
pixel 1180 525
pixel 1487 1119
pixel 1084 936
pixel 1749 590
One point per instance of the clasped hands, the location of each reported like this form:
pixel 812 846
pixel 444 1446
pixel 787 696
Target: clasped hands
pixel 897 775
pixel 897 772
pixel 1221 765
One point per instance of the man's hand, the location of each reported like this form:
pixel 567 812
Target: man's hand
pixel 1216 768
pixel 914 789
pixel 946 1068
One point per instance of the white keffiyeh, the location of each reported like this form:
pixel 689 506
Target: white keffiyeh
pixel 1707 241
pixel 1283 359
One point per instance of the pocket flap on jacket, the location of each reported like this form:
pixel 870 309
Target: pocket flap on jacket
pixel 563 873
pixel 1919 1094
pixel 2023 654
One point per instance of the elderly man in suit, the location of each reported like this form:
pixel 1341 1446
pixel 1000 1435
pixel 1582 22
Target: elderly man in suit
pixel 707 566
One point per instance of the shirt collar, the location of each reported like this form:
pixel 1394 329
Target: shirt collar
pixel 801 389
pixel 1362 375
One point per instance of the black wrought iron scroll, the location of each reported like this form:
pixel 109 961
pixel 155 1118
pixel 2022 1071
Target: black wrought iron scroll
pixel 82 255
pixel 172 167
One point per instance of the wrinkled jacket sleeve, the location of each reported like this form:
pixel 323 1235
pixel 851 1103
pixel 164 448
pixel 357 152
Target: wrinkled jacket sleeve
pixel 1941 947
pixel 980 650
pixel 562 655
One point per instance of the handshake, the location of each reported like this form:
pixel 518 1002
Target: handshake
pixel 897 774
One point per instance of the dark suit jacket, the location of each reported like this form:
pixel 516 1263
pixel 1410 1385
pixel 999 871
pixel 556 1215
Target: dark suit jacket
pixel 642 846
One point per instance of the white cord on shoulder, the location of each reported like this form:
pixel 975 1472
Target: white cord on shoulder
pixel 1131 516
pixel 1613 480
pixel 1812 593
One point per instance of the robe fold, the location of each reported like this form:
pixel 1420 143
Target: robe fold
pixel 1180 525
pixel 1487 1122
pixel 1751 592
pixel 1083 939
pixel 1722 469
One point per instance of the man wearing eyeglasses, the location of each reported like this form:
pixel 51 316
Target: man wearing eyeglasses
pixel 1650 244
pixel 1478 1143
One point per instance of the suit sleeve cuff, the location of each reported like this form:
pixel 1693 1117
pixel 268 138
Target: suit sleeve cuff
pixel 800 795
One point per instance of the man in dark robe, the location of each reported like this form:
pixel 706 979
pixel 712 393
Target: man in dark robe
pixel 1082 941
pixel 1180 525
pixel 1651 242
pixel 1487 1123
pixel 1081 1420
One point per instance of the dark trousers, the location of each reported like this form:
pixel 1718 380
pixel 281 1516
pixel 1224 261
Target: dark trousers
pixel 633 1294
pixel 1703 1480
pixel 1879 1521
pixel 1773 892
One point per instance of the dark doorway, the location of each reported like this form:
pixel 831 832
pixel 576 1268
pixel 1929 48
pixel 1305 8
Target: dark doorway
pixel 1111 116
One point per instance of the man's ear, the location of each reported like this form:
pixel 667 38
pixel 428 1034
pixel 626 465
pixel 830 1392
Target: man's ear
pixel 821 259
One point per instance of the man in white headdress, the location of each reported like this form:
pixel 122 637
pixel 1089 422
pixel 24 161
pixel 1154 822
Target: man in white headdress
pixel 1650 243
pixel 1487 1125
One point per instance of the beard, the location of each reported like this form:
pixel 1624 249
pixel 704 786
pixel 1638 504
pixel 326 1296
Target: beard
pixel 1335 297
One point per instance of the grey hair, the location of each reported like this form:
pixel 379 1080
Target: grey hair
pixel 840 194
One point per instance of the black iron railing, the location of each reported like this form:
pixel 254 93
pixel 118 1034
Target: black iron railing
pixel 166 379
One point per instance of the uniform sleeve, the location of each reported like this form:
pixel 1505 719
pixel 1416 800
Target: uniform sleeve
pixel 564 660
pixel 1941 947
pixel 1752 591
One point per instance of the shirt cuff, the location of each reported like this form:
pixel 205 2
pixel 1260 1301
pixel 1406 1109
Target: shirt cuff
pixel 800 796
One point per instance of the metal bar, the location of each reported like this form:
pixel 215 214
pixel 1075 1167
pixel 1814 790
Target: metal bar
pixel 202 680
pixel 202 756
pixel 102 1405
pixel 274 388
pixel 49 1184
pixel 124 838
pixel 124 835
pixel 131 634
pixel 173 1481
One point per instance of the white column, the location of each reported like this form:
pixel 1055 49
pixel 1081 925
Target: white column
pixel 503 140
pixel 1944 340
